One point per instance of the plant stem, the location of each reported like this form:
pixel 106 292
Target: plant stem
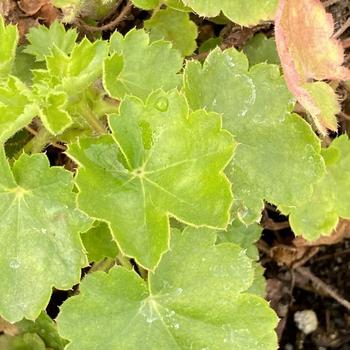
pixel 92 120
pixel 124 261
pixel 103 265
pixel 37 143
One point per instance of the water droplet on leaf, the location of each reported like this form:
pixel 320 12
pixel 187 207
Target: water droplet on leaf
pixel 15 264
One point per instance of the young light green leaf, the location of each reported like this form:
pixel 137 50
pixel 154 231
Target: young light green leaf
pixel 43 39
pixel 8 44
pixel 171 164
pixel 53 114
pixel 39 235
pixel 196 299
pixel 330 199
pixel 16 108
pixel 176 27
pixel 46 328
pixel 243 12
pixel 98 243
pixel 278 157
pixel 62 90
pixel 261 49
pixel 138 67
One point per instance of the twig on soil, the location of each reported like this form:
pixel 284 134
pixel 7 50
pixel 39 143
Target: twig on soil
pixel 346 43
pixel 324 287
pixel 342 29
pixel 330 3
pixel 269 224
pixel 113 24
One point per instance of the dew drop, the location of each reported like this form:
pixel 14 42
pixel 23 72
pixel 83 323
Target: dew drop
pixel 14 264
pixel 178 291
pixel 162 104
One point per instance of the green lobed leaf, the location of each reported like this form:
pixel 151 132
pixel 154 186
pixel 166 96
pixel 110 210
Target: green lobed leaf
pixel 98 243
pixel 138 67
pixel 43 39
pixel 161 160
pixel 246 237
pixel 16 108
pixel 243 12
pixel 8 43
pixel 196 299
pixel 176 27
pixel 278 157
pixel 39 235
pixel 261 49
pixel 330 199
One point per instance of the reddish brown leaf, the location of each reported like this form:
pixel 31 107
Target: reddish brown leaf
pixel 308 52
pixel 48 13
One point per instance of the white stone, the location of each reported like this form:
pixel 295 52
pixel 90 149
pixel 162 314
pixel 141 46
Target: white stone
pixel 306 321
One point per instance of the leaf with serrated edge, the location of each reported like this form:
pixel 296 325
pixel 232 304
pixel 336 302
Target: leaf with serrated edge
pixel 53 114
pixel 330 200
pixel 42 40
pixel 307 52
pixel 196 299
pixel 8 44
pixel 278 156
pixel 246 237
pixel 39 235
pixel 173 165
pixel 176 27
pixel 16 109
pixel 66 82
pixel 243 12
pixel 243 235
pixel 46 328
pixel 138 67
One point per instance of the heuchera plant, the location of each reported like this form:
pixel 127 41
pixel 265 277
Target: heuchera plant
pixel 173 161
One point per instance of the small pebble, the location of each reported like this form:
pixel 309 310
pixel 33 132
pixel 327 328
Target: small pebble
pixel 306 321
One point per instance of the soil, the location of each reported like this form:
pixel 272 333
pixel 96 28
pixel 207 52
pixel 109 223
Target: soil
pixel 288 261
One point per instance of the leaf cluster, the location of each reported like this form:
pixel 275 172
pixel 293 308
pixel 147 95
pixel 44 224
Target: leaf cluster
pixel 173 161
